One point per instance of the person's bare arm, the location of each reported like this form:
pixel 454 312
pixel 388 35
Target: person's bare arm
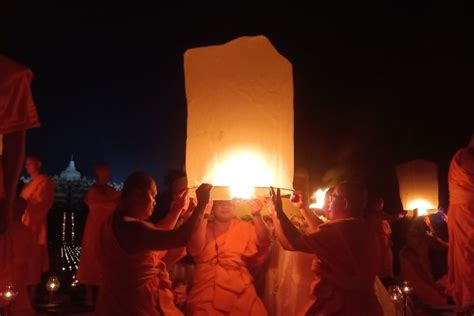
pixel 198 240
pixel 301 202
pixel 178 205
pixel 261 229
pixel 291 233
pixel 138 235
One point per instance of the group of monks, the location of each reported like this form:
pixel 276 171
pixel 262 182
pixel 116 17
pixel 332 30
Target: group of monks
pixel 125 257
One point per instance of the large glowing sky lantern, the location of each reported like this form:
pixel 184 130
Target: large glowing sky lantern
pixel 418 184
pixel 240 117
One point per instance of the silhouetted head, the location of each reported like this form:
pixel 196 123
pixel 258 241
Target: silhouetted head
pixel 471 142
pixel 176 181
pixel 138 195
pixel 33 165
pixel 102 173
pixel 349 199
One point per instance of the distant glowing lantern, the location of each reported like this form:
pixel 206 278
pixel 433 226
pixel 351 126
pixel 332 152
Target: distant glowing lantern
pixel 418 184
pixel 240 118
pixel 319 196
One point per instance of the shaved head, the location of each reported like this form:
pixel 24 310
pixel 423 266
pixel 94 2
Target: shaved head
pixel 137 181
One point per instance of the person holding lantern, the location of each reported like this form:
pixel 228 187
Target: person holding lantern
pixel 345 269
pixel 223 249
pixel 134 277
pixel 461 227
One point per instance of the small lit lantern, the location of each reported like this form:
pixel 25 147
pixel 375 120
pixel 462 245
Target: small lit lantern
pixel 9 293
pixel 240 118
pixel 418 185
pixel 406 287
pixel 396 294
pixel 53 284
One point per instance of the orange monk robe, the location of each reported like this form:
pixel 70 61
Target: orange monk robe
pixel 102 202
pixel 132 283
pixel 222 284
pixel 18 251
pixel 17 109
pixel 415 267
pixel 461 232
pixel 345 270
pixel 39 196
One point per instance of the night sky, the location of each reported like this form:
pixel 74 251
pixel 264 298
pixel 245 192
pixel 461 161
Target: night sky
pixel 374 86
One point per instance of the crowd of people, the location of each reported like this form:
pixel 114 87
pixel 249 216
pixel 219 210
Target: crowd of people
pixel 346 250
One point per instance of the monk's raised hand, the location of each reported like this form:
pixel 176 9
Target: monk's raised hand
pixel 189 211
pixel 255 207
pixel 270 206
pixel 299 200
pixel 276 198
pixel 203 193
pixel 181 201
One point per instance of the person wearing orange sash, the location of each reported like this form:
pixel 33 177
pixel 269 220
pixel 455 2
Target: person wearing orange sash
pixel 39 195
pixel 345 266
pixel 102 200
pixel 223 250
pixel 461 227
pixel 17 114
pixel 134 277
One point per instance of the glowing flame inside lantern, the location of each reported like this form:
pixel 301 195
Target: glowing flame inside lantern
pixel 422 205
pixel 242 172
pixel 319 196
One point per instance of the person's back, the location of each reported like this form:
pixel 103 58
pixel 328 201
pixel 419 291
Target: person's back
pixel 461 227
pixel 102 200
pixel 128 279
pixel 345 270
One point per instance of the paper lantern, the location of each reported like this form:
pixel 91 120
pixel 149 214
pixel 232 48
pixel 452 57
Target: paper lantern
pixel 418 184
pixel 240 117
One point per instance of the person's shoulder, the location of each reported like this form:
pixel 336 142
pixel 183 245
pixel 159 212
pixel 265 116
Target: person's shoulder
pixel 12 69
pixel 49 181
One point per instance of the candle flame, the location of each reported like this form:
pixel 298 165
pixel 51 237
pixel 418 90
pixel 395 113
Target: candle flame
pixel 422 205
pixel 242 172
pixel 319 197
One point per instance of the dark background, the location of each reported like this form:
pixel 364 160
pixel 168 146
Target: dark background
pixel 374 85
